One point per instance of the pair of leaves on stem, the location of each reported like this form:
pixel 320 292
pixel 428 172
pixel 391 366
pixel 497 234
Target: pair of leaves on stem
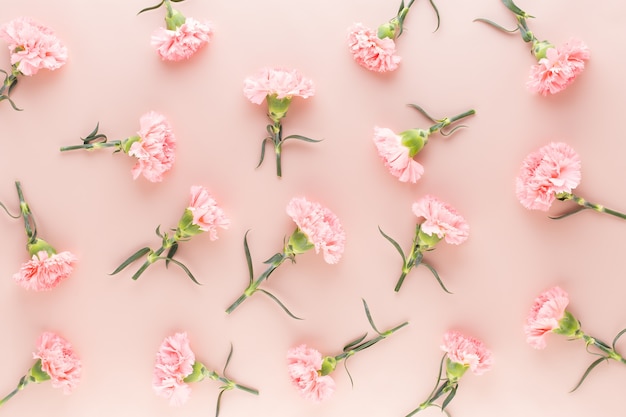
pixel 12 83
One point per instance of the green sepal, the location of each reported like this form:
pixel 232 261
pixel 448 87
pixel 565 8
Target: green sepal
pixel 131 259
pixel 299 242
pixel 37 374
pixel 589 369
pixel 568 325
pixel 197 374
pixel 303 138
pixel 329 363
pixel 128 142
pixel 273 297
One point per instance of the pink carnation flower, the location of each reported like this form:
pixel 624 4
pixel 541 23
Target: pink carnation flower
pixel 155 149
pixel 441 219
pixel 33 46
pixel 320 225
pixel 303 366
pixel 59 361
pixel 552 169
pixel 283 83
pixel 182 43
pixel 544 316
pixel 44 272
pixel 371 52
pixel 174 362
pixel 467 351
pixel 206 213
pixel 396 156
pixel 559 68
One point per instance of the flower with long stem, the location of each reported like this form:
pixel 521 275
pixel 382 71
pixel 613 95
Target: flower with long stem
pixel 316 228
pixel 277 86
pixel 552 173
pixel 176 367
pixel 46 268
pixel 549 314
pixel 153 146
pixel 56 361
pixel 461 353
pixel 376 49
pixel 437 221
pixel 556 67
pixel 397 151
pixel 309 371
pixel 201 215
pixel 33 46
pixel 181 37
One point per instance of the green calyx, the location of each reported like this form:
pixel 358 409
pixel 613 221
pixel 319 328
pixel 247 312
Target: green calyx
pixel 414 139
pixel 128 142
pixel 40 245
pixel 174 20
pixel 37 374
pixel 455 370
pixel 298 243
pixel 329 363
pixel 198 373
pixel 389 30
pixel 277 107
pixel 186 228
pixel 540 48
pixel 426 241
pixel 569 326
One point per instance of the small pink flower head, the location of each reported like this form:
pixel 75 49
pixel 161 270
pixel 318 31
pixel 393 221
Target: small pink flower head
pixel 467 351
pixel 320 225
pixel 558 68
pixel 544 316
pixel 396 156
pixel 304 365
pixel 552 169
pixel 44 271
pixel 279 82
pixel 155 149
pixel 59 361
pixel 33 46
pixel 441 219
pixel 207 215
pixel 371 52
pixel 174 362
pixel 183 42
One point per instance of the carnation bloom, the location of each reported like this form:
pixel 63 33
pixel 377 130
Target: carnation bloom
pixel 467 351
pixel 396 156
pixel 371 52
pixel 207 215
pixel 441 219
pixel 59 361
pixel 183 42
pixel 155 148
pixel 552 169
pixel 174 362
pixel 33 46
pixel 320 225
pixel 544 316
pixel 45 271
pixel 304 365
pixel 279 82
pixel 559 68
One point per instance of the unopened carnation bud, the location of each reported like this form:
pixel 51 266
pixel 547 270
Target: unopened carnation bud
pixel 414 139
pixel 540 49
pixel 329 363
pixel 569 326
pixel 455 370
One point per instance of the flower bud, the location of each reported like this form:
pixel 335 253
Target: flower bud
pixel 329 363
pixel 540 48
pixel 277 107
pixel 569 326
pixel 414 139
pixel 455 370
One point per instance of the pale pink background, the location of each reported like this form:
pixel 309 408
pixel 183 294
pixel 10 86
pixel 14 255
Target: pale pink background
pixel 89 204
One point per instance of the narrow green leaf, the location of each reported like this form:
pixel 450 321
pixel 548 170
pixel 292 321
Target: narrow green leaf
pixel 454 129
pixel 230 354
pixel 434 272
pixel 279 303
pixel 248 257
pixel 170 253
pixel 421 110
pixel 512 7
pixel 131 259
pixel 92 133
pixel 497 26
pixel 345 365
pixel 184 268
pixel 369 317
pixel 589 369
pixel 432 3
pixel 263 151
pixel 617 337
pixel 219 401
pixel 277 257
pixel 353 343
pixel 8 212
pixel 151 7
pixel 394 243
pixel 568 213
pixel 300 137
pixel 449 397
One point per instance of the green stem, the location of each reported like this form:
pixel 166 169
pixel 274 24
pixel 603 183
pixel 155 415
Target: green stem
pixel 20 386
pixel 413 260
pixel 370 342
pixel 589 205
pixel 449 120
pixel 97 145
pixel 274 262
pixel 277 138
pixel 229 383
pixel 609 351
pixel 152 257
pixel 27 215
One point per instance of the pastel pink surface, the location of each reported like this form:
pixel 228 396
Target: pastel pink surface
pixel 88 203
